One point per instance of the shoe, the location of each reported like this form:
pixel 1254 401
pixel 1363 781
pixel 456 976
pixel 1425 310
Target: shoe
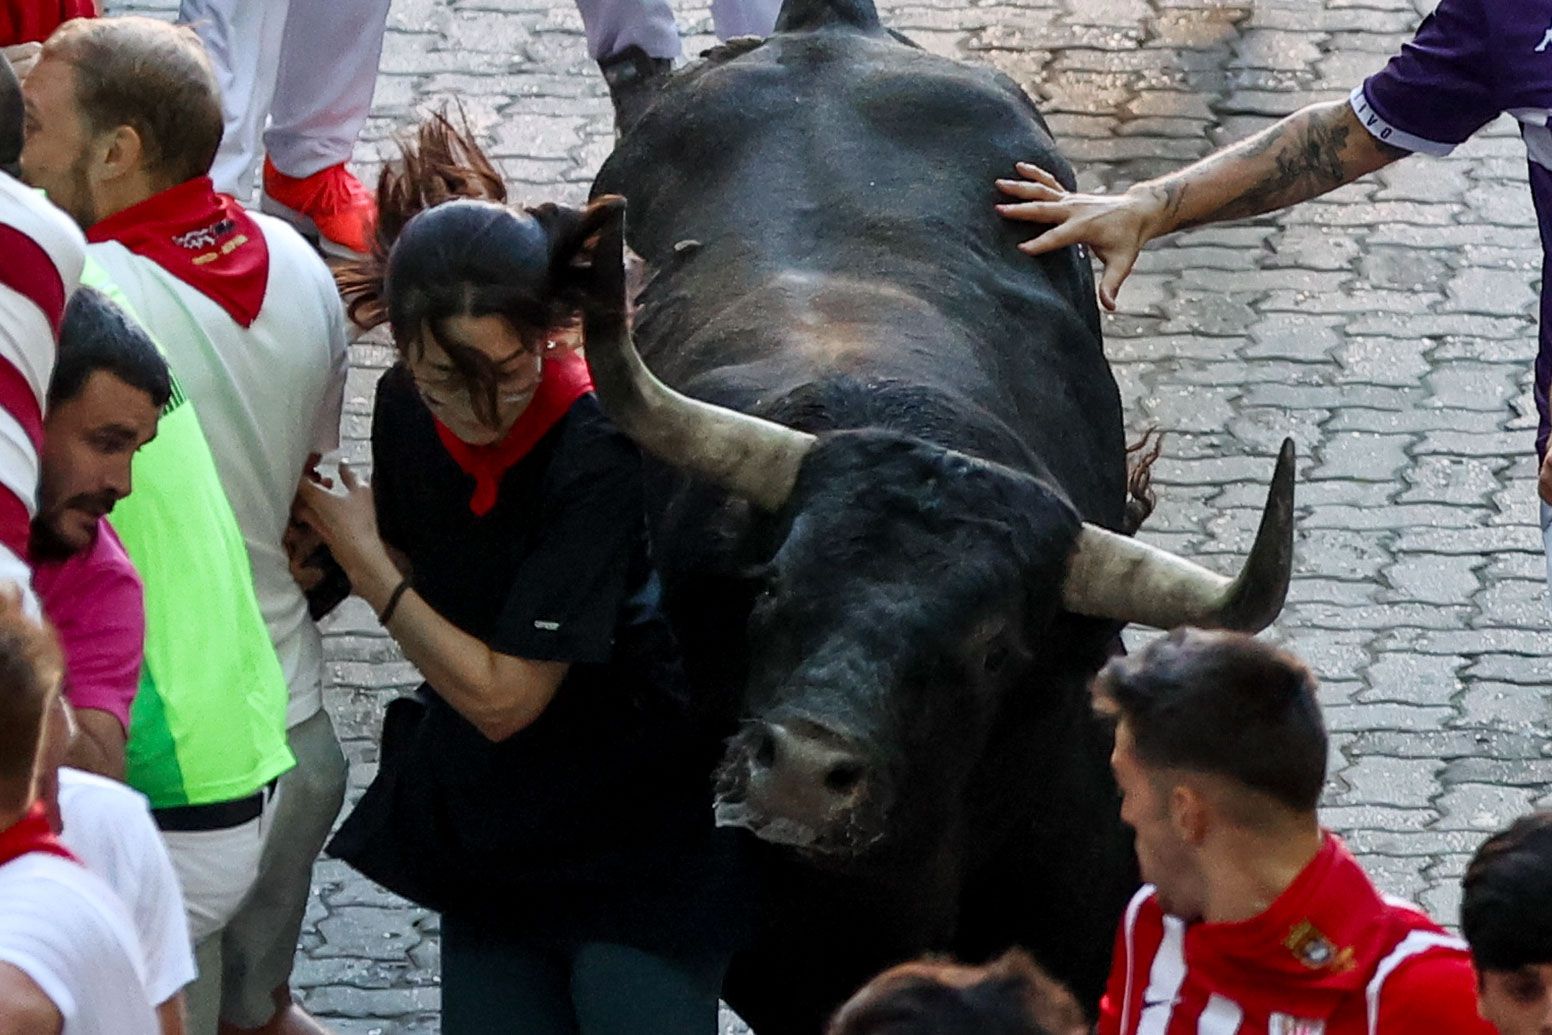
pixel 634 78
pixel 330 206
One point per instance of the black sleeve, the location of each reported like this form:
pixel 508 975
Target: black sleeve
pixel 388 416
pixel 567 595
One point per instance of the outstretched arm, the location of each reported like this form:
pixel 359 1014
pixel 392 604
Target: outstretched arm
pixel 1312 151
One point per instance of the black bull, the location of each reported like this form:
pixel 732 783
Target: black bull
pixel 900 604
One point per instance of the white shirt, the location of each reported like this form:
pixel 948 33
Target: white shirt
pixel 268 396
pixel 109 828
pixel 62 927
pixel 43 254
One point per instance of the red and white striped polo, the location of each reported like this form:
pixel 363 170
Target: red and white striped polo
pixel 41 254
pixel 1331 956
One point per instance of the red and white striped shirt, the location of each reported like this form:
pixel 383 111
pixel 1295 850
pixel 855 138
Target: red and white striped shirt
pixel 1331 956
pixel 41 255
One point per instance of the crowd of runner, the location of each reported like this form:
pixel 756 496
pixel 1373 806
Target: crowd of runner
pixel 168 776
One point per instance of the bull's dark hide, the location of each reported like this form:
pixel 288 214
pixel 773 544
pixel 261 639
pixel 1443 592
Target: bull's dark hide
pixel 816 215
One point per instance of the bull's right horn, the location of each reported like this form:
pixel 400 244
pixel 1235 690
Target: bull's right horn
pixel 1113 576
pixel 751 458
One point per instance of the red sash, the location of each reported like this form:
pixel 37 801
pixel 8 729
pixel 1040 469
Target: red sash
pixel 31 834
pixel 203 238
pixel 566 379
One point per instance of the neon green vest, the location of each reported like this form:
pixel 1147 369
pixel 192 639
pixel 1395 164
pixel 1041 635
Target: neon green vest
pixel 209 721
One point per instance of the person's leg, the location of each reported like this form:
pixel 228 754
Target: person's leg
pixel 614 26
pixel 243 40
pixel 494 983
pixel 328 71
pixel 744 17
pixel 202 996
pixel 259 942
pixel 622 990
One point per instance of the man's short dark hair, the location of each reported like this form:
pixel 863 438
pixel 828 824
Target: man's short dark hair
pixel 98 335
pixel 1224 704
pixel 10 120
pixel 1009 996
pixel 1506 896
pixel 141 72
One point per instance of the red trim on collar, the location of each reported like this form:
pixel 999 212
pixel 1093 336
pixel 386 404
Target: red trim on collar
pixel 203 238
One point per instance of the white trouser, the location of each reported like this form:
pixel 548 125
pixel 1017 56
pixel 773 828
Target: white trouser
pixel 217 868
pixel 614 25
pixel 308 66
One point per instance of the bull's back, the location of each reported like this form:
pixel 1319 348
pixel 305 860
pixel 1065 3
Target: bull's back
pixel 769 190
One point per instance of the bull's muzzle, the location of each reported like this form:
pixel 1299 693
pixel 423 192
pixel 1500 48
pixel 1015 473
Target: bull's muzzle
pixel 800 784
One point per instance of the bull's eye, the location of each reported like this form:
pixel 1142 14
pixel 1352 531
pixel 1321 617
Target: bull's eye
pixel 996 658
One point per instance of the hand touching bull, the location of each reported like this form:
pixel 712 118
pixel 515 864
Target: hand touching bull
pixel 1305 155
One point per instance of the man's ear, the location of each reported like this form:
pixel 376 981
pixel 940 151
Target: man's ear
pixel 116 153
pixel 1189 813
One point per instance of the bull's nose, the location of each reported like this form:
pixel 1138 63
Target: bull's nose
pixel 806 772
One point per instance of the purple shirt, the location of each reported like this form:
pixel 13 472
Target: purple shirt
pixel 1471 61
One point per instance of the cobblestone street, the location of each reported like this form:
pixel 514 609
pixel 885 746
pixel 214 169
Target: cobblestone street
pixel 1389 328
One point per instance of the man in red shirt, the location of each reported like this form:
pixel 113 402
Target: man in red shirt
pixel 1254 921
pixel 1506 915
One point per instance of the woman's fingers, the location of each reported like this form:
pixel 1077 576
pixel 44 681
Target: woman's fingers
pixel 1030 191
pixel 1037 211
pixel 1054 239
pixel 1117 269
pixel 348 477
pixel 1030 170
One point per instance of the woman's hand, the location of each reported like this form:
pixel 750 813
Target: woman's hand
pixel 346 519
pixel 1115 227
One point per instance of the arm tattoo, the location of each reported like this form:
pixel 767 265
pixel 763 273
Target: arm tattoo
pixel 1310 160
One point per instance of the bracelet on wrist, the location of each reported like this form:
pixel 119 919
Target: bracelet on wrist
pixel 386 614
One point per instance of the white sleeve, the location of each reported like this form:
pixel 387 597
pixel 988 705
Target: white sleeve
pixel 326 424
pixel 109 828
pixel 161 922
pixel 44 254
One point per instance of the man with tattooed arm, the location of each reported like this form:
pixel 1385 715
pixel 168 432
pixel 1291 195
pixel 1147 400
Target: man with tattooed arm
pixel 1470 61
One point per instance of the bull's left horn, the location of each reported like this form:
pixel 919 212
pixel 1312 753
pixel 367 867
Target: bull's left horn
pixel 755 459
pixel 1113 576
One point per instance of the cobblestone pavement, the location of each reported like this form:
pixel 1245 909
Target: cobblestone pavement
pixel 1388 327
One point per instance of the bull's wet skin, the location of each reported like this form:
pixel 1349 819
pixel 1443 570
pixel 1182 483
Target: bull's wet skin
pixel 935 430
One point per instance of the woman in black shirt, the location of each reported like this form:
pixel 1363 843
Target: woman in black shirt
pixel 545 790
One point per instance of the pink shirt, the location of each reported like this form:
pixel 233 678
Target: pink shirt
pixel 97 606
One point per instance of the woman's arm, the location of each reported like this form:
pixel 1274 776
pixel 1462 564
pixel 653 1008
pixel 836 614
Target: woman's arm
pixel 499 694
pixel 1305 155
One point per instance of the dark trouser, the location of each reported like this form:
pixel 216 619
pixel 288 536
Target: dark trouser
pixel 496 983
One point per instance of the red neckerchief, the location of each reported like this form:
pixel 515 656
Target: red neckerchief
pixel 31 834
pixel 203 238
pixel 566 379
pixel 1316 945
pixel 33 21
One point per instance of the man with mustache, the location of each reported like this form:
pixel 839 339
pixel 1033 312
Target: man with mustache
pixel 103 403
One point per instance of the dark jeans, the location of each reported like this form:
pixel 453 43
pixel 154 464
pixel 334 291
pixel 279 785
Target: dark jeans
pixel 498 983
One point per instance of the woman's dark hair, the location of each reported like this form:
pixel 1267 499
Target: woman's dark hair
pixel 448 245
pixel 1506 896
pixel 98 335
pixel 1225 704
pixel 1010 996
